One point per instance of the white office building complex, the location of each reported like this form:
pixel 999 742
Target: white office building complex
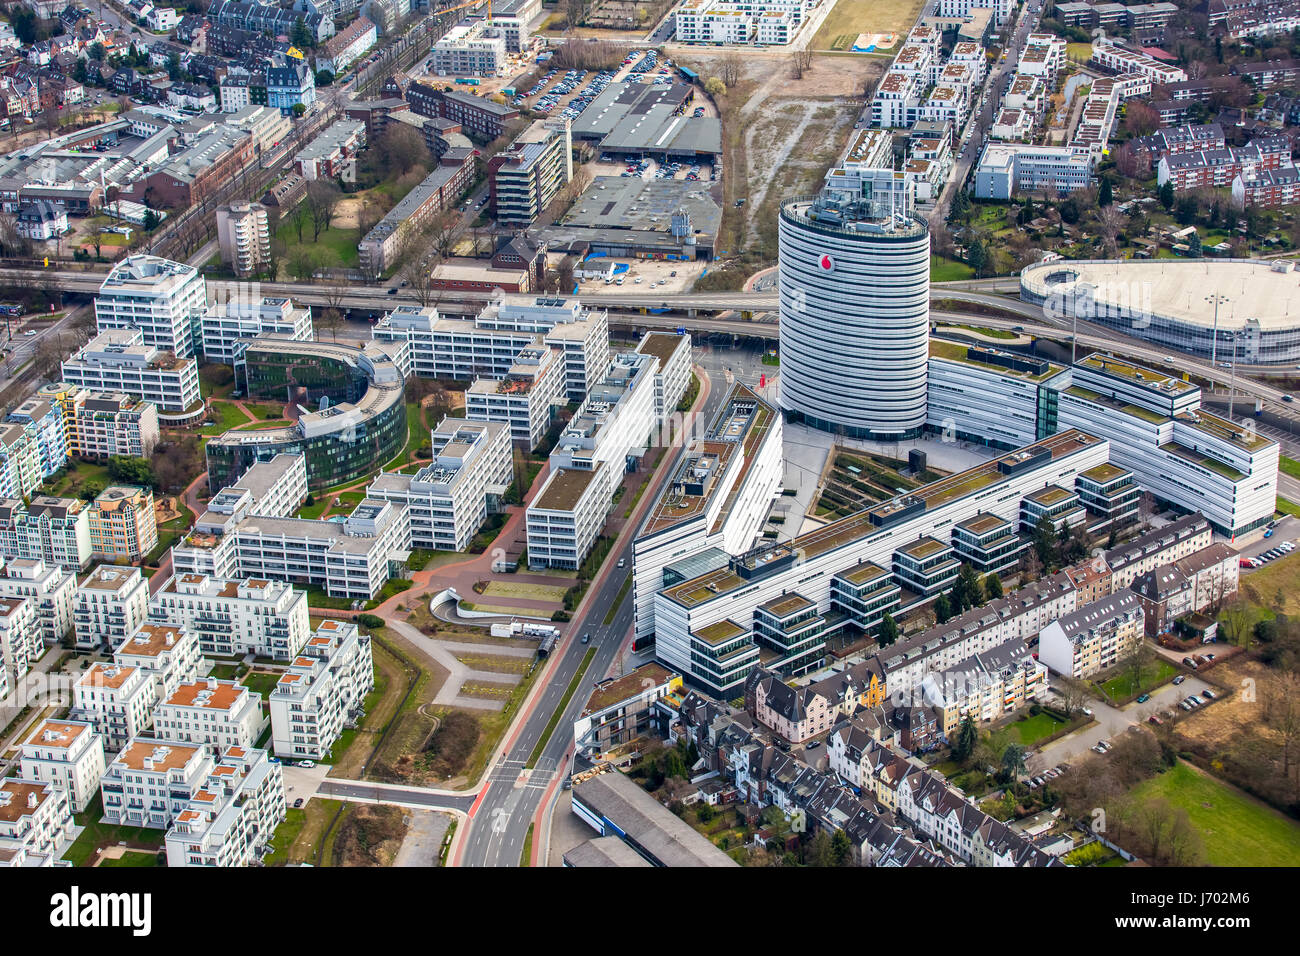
pixel 705 626
pixel 232 618
pixel 449 499
pixel 52 589
pixel 152 781
pixel 245 534
pixel 233 815
pixel 595 451
pixel 53 530
pixel 161 298
pixel 1008 169
pixel 525 398
pixel 227 327
pixel 489 344
pixel 674 372
pixel 168 654
pixel 116 700
pixel 68 754
pixel 109 605
pixel 321 691
pixel 984 395
pixel 119 360
pixel 105 424
pixel 1178 451
pixel 714 504
pixel 855 310
pixel 219 713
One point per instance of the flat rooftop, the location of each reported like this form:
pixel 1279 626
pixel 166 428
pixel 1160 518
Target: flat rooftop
pixel 962 353
pixel 610 693
pixel 1177 289
pixel 563 489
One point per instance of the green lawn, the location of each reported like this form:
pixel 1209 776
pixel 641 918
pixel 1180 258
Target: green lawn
pixel 1027 731
pixel 1289 466
pixel 1288 507
pixel 285 834
pixel 134 858
pixel 97 834
pixel 1155 674
pixel 335 247
pixel 70 479
pixel 1237 829
pixel 261 683
pixel 227 415
pixel 949 270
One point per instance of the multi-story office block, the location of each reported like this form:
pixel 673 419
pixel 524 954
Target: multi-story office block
pixel 321 691
pixel 231 618
pixel 525 398
pixel 674 373
pixel 715 502
pixel 524 178
pixel 119 360
pixel 109 605
pixel 228 327
pixel 161 298
pixel 984 395
pixel 449 499
pixel 68 754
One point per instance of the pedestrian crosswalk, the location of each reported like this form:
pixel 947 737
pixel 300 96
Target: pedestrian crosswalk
pixel 514 773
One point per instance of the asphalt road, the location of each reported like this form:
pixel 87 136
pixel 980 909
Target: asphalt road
pixel 496 832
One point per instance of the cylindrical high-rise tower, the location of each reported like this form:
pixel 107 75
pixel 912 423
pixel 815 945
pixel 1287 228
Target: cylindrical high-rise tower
pixel 855 316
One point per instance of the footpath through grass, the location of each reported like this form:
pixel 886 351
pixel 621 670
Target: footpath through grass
pixel 559 710
pixel 1237 829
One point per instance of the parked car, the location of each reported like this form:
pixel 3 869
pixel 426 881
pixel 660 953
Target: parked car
pixel 306 764
pixel 1209 694
pixel 1185 706
pixel 812 745
pixel 1180 678
pixel 1153 719
pixel 1143 698
pixel 297 803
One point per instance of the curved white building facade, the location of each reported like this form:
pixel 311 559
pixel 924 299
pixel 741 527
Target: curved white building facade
pixel 855 318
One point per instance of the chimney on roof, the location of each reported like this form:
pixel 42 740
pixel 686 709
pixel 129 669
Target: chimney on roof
pixel 170 639
pixel 212 683
pixel 31 801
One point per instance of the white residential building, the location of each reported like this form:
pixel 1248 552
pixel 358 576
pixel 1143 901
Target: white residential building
pixel 233 815
pixel 20 637
pixel 119 360
pixel 1096 636
pixel 68 754
pixel 229 326
pixel 35 822
pixel 450 498
pixel 116 700
pixel 152 781
pixel 321 691
pixel 166 653
pixel 20 459
pixel 472 48
pixel 219 713
pixel 113 423
pixel 243 235
pixel 161 298
pixel 1123 61
pixel 53 530
pixel 109 605
pixel 50 588
pixel 51 431
pixel 232 618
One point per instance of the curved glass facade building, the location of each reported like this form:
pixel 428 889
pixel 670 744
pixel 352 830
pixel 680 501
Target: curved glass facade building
pixel 357 418
pixel 855 316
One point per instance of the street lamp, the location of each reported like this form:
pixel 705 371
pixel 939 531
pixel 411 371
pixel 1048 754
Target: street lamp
pixel 1232 388
pixel 1216 299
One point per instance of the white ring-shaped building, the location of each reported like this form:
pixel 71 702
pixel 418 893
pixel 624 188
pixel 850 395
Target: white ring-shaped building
pixel 855 317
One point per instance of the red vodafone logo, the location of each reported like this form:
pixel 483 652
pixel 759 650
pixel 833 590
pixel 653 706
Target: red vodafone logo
pixel 826 262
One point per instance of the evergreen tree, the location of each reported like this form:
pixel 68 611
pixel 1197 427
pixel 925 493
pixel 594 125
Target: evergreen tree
pixel 888 630
pixel 300 35
pixel 968 589
pixel 1104 193
pixel 992 586
pixel 1166 194
pixel 967 738
pixel 977 256
pixel 942 608
pixel 1045 541
pixel 1194 247
pixel 841 849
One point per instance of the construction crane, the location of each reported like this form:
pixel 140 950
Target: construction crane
pixel 462 6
